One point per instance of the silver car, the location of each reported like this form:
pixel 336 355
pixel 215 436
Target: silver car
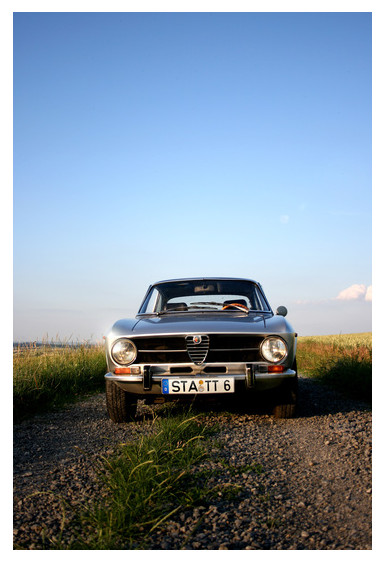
pixel 202 338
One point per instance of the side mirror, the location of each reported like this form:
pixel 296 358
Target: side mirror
pixel 281 311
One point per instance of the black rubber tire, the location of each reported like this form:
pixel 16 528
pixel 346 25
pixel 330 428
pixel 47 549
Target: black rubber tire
pixel 121 405
pixel 286 399
pixel 284 411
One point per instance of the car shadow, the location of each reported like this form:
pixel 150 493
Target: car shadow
pixel 317 399
pixel 314 399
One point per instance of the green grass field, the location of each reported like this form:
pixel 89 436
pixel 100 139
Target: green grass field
pixel 341 361
pixel 48 376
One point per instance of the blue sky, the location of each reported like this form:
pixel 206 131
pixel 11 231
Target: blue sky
pixel 149 146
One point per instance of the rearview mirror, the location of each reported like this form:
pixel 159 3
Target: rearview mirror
pixel 281 311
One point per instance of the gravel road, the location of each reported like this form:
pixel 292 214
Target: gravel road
pixel 314 492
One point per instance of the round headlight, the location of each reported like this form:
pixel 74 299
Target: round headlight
pixel 124 352
pixel 274 349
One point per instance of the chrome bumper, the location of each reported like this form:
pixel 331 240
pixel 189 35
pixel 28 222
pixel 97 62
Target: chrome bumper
pixel 149 381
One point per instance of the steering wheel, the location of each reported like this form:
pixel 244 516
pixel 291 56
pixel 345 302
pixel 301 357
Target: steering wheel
pixel 236 305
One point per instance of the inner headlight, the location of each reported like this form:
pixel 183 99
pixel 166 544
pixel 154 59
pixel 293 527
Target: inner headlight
pixel 274 349
pixel 124 352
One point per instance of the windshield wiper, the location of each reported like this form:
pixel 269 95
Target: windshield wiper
pixel 207 303
pixel 189 310
pixel 162 312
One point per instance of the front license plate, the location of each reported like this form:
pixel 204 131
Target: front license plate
pixel 197 386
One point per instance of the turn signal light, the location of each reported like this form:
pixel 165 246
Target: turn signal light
pixel 276 368
pixel 127 371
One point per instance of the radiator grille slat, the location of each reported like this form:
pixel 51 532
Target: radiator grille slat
pixel 198 351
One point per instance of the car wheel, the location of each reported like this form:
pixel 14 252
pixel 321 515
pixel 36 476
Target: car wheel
pixel 286 400
pixel 281 411
pixel 121 406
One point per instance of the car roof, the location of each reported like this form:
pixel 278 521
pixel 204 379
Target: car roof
pixel 206 279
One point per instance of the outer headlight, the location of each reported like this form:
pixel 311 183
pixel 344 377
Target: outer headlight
pixel 274 349
pixel 124 352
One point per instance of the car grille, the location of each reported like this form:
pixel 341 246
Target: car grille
pixel 198 352
pixel 215 348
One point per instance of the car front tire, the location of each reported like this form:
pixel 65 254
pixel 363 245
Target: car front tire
pixel 283 411
pixel 121 406
pixel 286 399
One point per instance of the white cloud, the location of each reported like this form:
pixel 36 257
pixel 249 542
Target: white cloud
pixel 355 292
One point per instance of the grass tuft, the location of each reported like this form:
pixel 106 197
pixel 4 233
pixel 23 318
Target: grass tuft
pixel 144 484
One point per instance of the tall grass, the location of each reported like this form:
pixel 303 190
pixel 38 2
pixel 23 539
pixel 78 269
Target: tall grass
pixel 49 376
pixel 343 362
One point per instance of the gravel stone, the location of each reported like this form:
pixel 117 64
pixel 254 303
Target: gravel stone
pixel 314 492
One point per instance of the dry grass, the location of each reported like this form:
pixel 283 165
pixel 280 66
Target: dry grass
pixel 49 376
pixel 343 361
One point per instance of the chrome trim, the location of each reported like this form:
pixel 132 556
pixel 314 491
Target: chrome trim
pixel 276 337
pixel 159 378
pixel 216 349
pixel 234 349
pixel 125 378
pixel 288 373
pixel 268 376
pixel 117 340
pixel 183 279
pixel 162 350
pixel 133 336
pixel 197 352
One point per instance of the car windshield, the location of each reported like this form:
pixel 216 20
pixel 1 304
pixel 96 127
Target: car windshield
pixel 204 295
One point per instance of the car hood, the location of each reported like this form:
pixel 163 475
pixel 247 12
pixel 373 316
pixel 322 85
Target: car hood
pixel 204 323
